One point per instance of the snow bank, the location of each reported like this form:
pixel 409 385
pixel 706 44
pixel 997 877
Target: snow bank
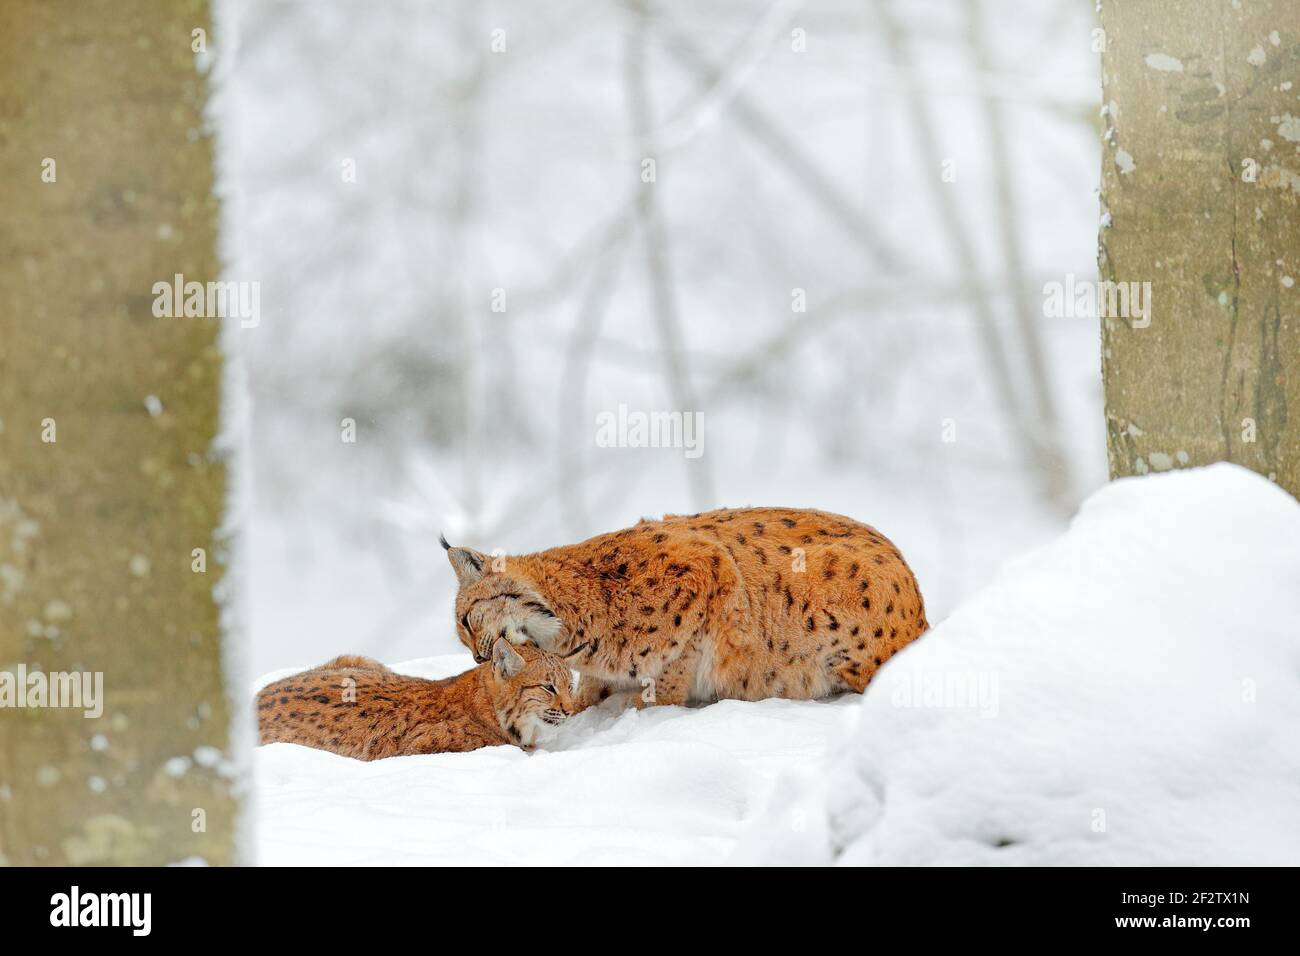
pixel 1127 695
pixel 666 785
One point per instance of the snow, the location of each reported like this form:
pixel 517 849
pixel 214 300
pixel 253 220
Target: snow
pixel 667 785
pixel 1147 675
pixel 1129 694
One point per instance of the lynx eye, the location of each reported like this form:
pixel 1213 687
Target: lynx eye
pixel 549 688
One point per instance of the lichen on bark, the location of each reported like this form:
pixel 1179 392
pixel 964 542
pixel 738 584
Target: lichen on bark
pixel 1206 206
pixel 97 527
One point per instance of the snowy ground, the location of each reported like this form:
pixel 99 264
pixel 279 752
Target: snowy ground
pixel 1129 694
pixel 661 786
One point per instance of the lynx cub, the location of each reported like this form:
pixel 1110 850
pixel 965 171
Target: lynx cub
pixel 745 603
pixel 357 707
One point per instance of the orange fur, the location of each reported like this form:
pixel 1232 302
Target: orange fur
pixel 357 707
pixel 737 603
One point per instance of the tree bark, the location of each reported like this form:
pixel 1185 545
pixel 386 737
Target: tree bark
pixel 1201 181
pixel 98 527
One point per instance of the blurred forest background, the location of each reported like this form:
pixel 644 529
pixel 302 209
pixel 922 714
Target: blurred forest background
pixel 444 205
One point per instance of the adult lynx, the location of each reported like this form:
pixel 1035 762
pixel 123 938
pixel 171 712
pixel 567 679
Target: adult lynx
pixel 738 603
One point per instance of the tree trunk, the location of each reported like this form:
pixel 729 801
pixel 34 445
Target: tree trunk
pixel 1201 183
pixel 108 480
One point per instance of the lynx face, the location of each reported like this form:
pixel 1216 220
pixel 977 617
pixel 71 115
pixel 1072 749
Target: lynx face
pixel 493 605
pixel 532 692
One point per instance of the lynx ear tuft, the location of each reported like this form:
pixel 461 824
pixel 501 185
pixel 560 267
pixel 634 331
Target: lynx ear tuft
pixel 467 563
pixel 442 540
pixel 506 661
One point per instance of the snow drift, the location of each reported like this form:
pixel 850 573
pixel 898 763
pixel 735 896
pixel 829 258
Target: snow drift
pixel 659 786
pixel 1128 695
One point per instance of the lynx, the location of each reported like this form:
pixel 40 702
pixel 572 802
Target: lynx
pixel 357 707
pixel 742 604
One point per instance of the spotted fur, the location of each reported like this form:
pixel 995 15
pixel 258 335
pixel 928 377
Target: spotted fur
pixel 357 707
pixel 737 603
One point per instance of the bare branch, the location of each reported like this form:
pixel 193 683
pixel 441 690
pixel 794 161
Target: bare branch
pixel 840 208
pixel 1046 424
pixel 963 249
pixel 654 241
pixel 577 361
